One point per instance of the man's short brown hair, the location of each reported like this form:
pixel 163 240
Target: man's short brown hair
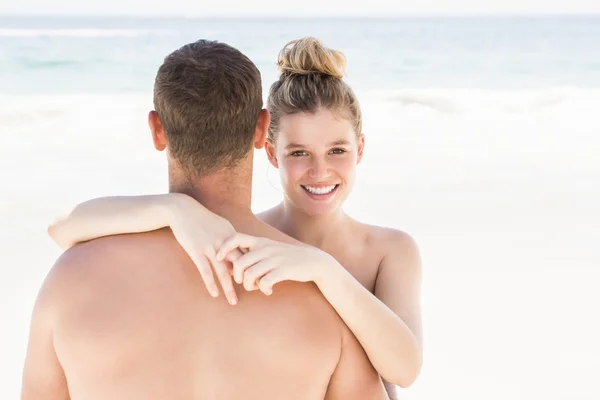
pixel 208 96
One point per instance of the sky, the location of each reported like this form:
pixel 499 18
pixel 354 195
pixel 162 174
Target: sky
pixel 296 7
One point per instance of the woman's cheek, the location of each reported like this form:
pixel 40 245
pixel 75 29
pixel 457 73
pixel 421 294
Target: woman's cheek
pixel 344 164
pixel 294 169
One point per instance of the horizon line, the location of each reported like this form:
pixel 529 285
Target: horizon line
pixel 308 16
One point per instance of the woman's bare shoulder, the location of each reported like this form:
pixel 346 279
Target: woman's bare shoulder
pixel 386 238
pixel 270 216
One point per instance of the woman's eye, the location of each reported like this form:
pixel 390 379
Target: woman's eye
pixel 298 153
pixel 338 151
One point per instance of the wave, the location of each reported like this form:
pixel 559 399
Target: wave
pixel 48 64
pixel 512 102
pixel 84 33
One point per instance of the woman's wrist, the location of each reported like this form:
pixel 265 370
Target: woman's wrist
pixel 327 273
pixel 174 206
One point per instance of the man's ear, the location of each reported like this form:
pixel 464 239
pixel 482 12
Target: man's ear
pixel 262 128
pixel 158 133
pixel 270 150
pixel 361 148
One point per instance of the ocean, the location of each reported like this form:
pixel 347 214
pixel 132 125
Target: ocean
pixel 482 141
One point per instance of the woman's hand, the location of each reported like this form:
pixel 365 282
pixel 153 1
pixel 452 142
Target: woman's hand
pixel 201 233
pixel 266 262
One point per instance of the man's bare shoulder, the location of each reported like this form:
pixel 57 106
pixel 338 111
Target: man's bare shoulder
pixel 88 261
pixel 120 245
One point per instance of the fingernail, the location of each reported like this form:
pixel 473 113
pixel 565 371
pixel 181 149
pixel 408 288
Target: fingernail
pixel 233 301
pixel 214 293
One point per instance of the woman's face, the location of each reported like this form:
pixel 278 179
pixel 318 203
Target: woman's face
pixel 317 156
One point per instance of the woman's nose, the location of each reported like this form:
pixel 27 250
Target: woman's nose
pixel 319 169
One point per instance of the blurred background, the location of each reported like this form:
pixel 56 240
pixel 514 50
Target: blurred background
pixel 481 124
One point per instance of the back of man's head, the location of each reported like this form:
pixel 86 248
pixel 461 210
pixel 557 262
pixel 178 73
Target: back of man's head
pixel 208 96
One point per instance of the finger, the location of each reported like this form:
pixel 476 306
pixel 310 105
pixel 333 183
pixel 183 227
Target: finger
pixel 266 283
pixel 253 274
pixel 225 279
pixel 247 260
pixel 233 255
pixel 207 274
pixel 238 240
pixel 230 258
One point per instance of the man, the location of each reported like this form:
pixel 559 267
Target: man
pixel 128 317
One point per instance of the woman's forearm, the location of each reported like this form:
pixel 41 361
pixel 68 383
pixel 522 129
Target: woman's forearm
pixel 113 215
pixel 390 345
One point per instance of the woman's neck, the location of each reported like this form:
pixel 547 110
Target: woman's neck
pixel 313 230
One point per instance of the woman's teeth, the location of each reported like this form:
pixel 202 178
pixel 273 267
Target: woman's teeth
pixel 320 190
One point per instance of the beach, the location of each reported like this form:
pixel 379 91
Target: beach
pixel 494 171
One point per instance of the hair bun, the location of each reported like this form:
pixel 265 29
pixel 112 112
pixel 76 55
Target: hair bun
pixel 308 56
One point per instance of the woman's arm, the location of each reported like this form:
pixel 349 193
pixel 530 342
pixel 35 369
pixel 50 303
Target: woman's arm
pixel 198 230
pixel 387 324
pixel 115 215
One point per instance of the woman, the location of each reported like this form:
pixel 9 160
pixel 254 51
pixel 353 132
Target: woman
pixel 315 141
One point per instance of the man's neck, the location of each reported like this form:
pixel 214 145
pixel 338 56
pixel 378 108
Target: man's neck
pixel 226 193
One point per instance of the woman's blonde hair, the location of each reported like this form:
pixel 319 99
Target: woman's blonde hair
pixel 311 78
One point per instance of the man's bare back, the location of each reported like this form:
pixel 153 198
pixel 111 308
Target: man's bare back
pixel 131 319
